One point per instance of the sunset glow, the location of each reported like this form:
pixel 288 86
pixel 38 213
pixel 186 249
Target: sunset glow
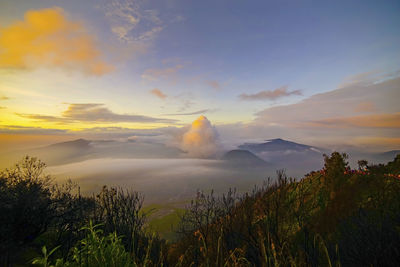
pixel 137 65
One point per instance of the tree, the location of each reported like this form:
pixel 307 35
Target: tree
pixel 335 167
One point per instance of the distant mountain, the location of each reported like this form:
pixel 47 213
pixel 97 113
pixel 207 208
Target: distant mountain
pixel 288 155
pixel 65 152
pixel 389 155
pixel 82 149
pixel 78 143
pixel 376 158
pixel 278 144
pixel 243 157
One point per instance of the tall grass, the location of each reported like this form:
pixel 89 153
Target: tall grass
pixel 97 249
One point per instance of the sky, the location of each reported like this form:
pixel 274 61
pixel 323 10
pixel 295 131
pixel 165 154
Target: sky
pixel 324 73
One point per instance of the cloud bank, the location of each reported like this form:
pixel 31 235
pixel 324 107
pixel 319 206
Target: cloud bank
pixel 93 112
pixel 46 38
pixel 346 116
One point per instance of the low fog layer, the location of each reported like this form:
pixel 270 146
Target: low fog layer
pixel 173 166
pixel 160 179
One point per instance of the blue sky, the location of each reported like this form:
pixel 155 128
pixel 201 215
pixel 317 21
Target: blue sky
pixel 228 60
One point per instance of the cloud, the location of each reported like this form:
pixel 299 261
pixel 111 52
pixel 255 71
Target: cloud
pixel 3 97
pixel 131 22
pixel 163 73
pixel 99 113
pixel 150 34
pixel 39 117
pixel 190 113
pixel 365 107
pixel 337 103
pixel 178 18
pixel 379 141
pixel 214 84
pixel 270 95
pixel 46 38
pixel 13 129
pixel 185 101
pixel 157 92
pixel 364 121
pixel 201 139
pixel 93 112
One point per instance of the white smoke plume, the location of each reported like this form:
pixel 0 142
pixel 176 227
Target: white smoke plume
pixel 201 139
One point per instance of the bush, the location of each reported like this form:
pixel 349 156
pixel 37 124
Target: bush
pixel 26 207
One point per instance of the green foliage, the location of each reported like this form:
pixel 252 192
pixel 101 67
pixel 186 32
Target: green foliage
pixel 44 260
pixel 98 249
pixel 95 249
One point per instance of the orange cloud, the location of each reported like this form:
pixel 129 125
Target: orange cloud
pixel 390 142
pixel 201 139
pixel 391 120
pixel 157 92
pixel 365 107
pixel 92 112
pixel 47 38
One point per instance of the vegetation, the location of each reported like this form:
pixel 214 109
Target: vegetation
pixel 332 217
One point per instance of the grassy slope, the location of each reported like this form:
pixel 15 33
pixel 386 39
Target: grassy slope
pixel 164 219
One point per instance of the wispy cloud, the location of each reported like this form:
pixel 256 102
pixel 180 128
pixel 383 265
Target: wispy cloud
pixel 185 101
pixel 131 22
pixel 93 112
pixel 47 38
pixel 157 92
pixel 367 78
pixel 270 95
pixel 13 129
pixel 38 117
pixel 364 121
pixel 3 97
pixel 161 73
pixel 214 84
pixel 203 111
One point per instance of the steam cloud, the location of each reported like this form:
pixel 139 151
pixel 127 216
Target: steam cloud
pixel 201 139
